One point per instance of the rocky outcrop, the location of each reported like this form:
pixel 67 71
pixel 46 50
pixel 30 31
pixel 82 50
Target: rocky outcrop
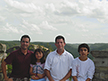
pixel 2 57
pixel 101 64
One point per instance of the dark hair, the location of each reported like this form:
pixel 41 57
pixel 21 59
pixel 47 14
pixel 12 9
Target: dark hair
pixel 25 36
pixel 83 45
pixel 60 37
pixel 33 58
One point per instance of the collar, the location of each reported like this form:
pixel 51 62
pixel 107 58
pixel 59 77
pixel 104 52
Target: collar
pixel 22 52
pixel 64 53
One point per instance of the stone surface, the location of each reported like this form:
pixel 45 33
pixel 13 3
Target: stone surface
pixel 2 47
pixel 100 54
pixel 101 62
pixel 2 56
pixel 101 65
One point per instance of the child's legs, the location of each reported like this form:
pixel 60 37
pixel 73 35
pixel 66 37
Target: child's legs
pixel 42 79
pixel 32 80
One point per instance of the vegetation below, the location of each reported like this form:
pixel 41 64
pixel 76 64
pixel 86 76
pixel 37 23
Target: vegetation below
pixel 72 48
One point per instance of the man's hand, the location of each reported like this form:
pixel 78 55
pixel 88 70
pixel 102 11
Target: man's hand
pixel 8 79
pixel 88 79
pixel 62 80
pixel 40 75
pixel 34 77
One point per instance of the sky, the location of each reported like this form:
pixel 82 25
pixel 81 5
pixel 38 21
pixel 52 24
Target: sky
pixel 79 21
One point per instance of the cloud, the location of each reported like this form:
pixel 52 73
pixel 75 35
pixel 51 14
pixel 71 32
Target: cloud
pixel 8 28
pixel 20 6
pixel 67 8
pixel 45 25
pixel 31 27
pixel 76 18
pixel 68 34
pixel 81 28
pixel 50 7
pixel 2 18
pixel 89 8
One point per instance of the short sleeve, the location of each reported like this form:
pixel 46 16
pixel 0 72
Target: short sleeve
pixel 74 68
pixel 71 58
pixel 31 65
pixel 9 59
pixel 48 62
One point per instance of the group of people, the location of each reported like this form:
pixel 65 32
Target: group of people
pixel 59 65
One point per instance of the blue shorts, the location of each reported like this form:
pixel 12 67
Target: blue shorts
pixel 42 79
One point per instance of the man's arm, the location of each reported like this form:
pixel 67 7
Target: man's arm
pixel 88 79
pixel 41 75
pixel 3 65
pixel 31 71
pixel 47 72
pixel 67 75
pixel 75 78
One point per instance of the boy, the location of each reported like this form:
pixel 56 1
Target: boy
pixel 83 67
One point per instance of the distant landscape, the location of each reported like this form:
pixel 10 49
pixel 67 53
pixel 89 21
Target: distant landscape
pixel 72 48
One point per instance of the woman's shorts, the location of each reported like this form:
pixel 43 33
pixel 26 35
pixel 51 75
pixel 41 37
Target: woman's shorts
pixel 42 79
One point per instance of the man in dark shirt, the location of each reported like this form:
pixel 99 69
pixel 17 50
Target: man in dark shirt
pixel 20 60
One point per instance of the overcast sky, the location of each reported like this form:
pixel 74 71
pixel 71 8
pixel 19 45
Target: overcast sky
pixel 78 21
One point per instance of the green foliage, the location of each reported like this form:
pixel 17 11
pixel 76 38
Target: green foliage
pixel 10 44
pixel 9 69
pixel 49 45
pixel 30 48
pixel 14 49
pixel 72 48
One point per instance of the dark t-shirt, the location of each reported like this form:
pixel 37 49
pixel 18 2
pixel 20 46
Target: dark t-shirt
pixel 20 63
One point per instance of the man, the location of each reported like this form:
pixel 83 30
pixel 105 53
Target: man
pixel 20 60
pixel 58 64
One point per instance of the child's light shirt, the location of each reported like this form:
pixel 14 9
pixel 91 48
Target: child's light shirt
pixel 38 68
pixel 83 69
pixel 58 65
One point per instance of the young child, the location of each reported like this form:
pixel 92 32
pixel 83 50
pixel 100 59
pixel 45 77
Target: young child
pixel 83 68
pixel 37 66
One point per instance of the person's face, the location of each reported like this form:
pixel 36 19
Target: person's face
pixel 25 43
pixel 83 51
pixel 38 55
pixel 60 44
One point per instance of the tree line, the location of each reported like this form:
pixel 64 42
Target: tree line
pixel 72 48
